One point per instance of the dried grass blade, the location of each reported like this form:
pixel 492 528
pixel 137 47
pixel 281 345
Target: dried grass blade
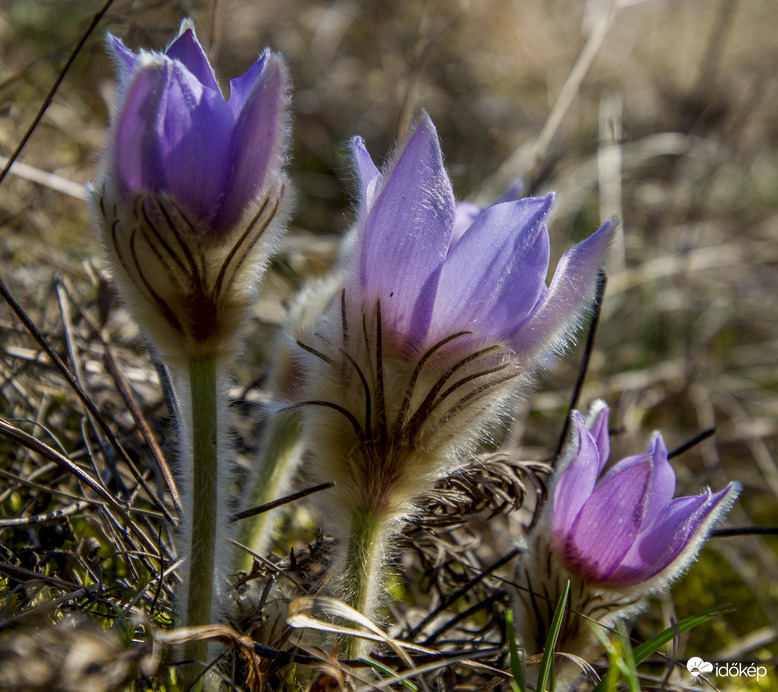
pixel 44 450
pixel 299 618
pixel 126 393
pixel 82 395
pixel 466 659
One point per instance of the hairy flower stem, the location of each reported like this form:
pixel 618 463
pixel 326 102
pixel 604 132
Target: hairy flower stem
pixel 199 569
pixel 363 576
pixel 280 456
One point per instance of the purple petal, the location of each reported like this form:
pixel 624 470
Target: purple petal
pixel 464 215
pixel 576 482
pixel 567 297
pixel 599 431
pixel 656 548
pixel 197 126
pixel 186 48
pixel 126 60
pixel 138 156
pixel 467 212
pixel 369 176
pixel 259 134
pixel 662 487
pixel 240 87
pixel 663 479
pixel 609 523
pixel 405 237
pixel 171 135
pixel 493 278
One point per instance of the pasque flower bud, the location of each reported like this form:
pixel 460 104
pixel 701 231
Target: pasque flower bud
pixel 618 537
pixel 192 191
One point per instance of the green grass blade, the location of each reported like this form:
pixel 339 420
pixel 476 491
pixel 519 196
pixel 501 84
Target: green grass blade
pixel 628 665
pixel 388 671
pixel 517 669
pixel 649 647
pixel 547 664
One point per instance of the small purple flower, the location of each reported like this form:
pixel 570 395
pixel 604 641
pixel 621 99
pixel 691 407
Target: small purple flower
pixel 438 268
pixel 174 133
pixel 625 528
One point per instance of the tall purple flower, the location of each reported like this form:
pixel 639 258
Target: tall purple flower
pixel 192 189
pixel 625 527
pixel 190 201
pixel 431 334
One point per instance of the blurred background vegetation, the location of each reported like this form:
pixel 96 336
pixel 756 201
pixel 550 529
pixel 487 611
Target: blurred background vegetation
pixel 664 112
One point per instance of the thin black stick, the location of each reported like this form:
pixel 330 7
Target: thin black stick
pixel 599 293
pixel 746 531
pixel 463 616
pixel 686 446
pixel 462 591
pixel 54 87
pixel 246 513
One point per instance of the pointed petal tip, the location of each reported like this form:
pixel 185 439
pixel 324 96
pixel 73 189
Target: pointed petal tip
pixel 575 438
pixel 357 143
pixel 540 205
pixel 580 423
pixel 187 24
pixel 365 169
pixel 598 426
pixel 426 121
pixel 597 408
pixel 657 447
pixel 549 198
pixel 549 329
pixel 359 152
pixel 603 237
pixel 112 42
pixel 189 51
pixel 266 80
pixel 726 497
pixel 124 59
pixel 423 133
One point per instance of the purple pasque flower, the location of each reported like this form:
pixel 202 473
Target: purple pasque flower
pixel 430 338
pixel 193 193
pixel 174 133
pixel 438 269
pixel 625 527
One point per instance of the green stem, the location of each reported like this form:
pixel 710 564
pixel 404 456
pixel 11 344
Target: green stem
pixel 204 505
pixel 363 571
pixel 282 451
